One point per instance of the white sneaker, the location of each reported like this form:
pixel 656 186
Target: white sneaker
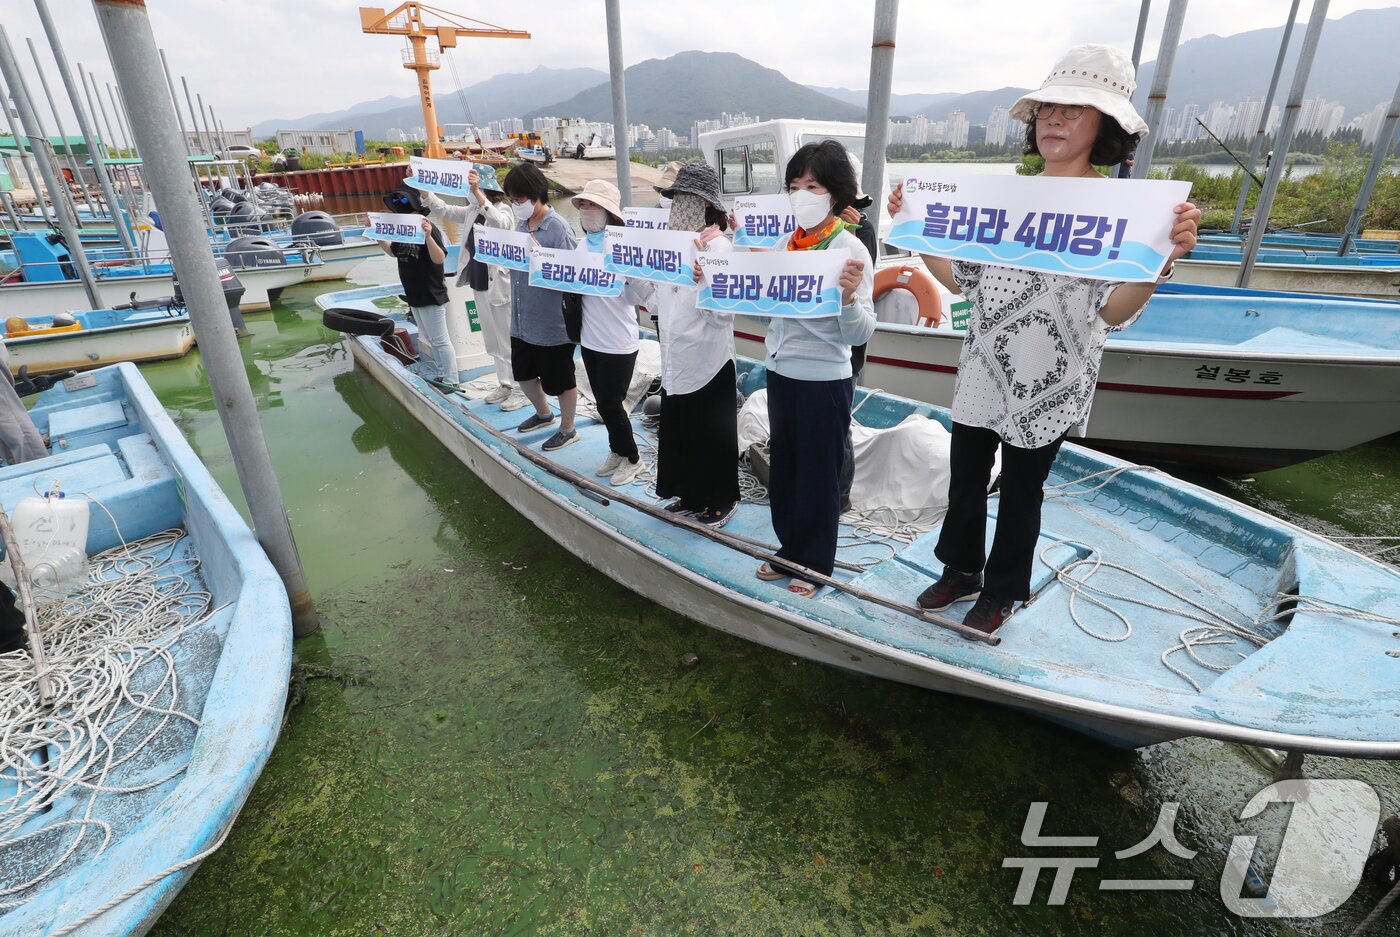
pixel 500 394
pixel 609 465
pixel 515 401
pixel 626 472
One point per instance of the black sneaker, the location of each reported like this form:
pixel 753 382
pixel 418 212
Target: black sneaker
pixel 678 507
pixel 535 421
pixel 560 439
pixel 717 517
pixel 989 613
pixel 951 587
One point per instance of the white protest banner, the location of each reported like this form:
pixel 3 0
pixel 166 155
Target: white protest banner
pixel 395 228
pixel 502 248
pixel 659 256
pixel 650 218
pixel 1094 228
pixel 449 176
pixel 576 271
pixel 762 220
pixel 794 284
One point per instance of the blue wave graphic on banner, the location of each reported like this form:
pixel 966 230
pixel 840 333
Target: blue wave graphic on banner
pixel 652 274
pixel 1135 261
pixel 829 305
pixel 581 289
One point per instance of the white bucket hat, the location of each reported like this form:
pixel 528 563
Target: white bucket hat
pixel 1093 75
pixel 601 193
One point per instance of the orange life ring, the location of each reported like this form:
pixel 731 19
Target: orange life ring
pixel 917 281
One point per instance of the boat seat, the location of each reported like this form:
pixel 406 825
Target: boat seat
pixel 90 419
pixel 1283 338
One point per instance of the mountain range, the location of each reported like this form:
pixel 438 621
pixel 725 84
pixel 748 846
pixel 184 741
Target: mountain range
pixel 1354 65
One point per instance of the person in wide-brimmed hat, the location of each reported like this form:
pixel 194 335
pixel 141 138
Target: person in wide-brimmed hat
pixel 609 337
pixel 699 432
pixel 668 176
pixel 1034 340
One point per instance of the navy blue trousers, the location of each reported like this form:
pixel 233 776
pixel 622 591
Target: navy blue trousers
pixel 962 541
pixel 809 423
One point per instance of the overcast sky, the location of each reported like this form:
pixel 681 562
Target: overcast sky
pixel 256 60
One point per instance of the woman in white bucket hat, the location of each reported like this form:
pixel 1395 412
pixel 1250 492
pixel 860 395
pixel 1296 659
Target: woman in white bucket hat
pixel 1030 359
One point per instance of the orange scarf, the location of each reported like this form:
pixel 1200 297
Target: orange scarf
pixel 803 241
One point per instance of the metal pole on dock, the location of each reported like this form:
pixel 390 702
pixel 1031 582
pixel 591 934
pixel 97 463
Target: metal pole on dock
pixel 1124 170
pixel 73 165
pixel 616 71
pixel 218 134
pixel 165 66
pixel 127 28
pixel 194 121
pixel 204 118
pixel 26 158
pixel 877 108
pixel 1257 149
pixel 1284 139
pixel 122 125
pixel 94 93
pixel 1161 78
pixel 29 120
pixel 1383 142
pixel 97 153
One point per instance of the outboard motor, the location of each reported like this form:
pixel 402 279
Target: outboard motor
pixel 251 253
pixel 317 226
pixel 244 218
pixel 233 195
pixel 233 294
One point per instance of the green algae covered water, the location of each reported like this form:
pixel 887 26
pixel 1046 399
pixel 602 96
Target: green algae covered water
pixel 492 738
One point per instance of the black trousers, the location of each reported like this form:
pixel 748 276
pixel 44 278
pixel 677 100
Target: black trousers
pixel 962 542
pixel 610 376
pixel 809 424
pixel 698 445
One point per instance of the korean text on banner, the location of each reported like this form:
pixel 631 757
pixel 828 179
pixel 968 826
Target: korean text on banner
pixel 448 176
pixel 649 218
pixel 762 220
pixel 576 271
pixel 658 256
pixel 792 284
pixel 502 247
pixel 1095 228
pixel 395 228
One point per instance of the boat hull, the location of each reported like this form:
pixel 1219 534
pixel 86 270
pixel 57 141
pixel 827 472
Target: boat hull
pixel 261 286
pixel 1152 404
pixel 1379 282
pixel 94 348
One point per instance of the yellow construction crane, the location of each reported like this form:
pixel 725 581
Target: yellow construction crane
pixel 406 19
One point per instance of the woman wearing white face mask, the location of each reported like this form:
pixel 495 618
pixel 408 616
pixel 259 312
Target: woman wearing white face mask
pixel 610 338
pixel 541 354
pixel 809 371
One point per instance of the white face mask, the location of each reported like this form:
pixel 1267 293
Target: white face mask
pixel 523 211
pixel 809 208
pixel 593 219
pixel 663 202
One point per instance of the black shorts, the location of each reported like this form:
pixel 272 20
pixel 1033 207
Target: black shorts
pixel 552 364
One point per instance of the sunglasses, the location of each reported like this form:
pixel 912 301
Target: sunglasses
pixel 1067 111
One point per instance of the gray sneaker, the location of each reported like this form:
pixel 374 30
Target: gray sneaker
pixel 515 401
pixel 609 465
pixel 535 421
pixel 626 473
pixel 560 439
pixel 499 395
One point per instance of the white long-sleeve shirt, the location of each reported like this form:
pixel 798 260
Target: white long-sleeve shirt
pixel 695 343
pixel 464 216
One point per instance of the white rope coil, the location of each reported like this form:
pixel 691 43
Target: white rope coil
pixel 117 697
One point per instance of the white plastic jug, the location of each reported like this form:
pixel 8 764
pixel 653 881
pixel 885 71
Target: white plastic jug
pixel 51 532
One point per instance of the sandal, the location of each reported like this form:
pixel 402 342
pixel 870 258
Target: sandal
pixel 769 574
pixel 803 589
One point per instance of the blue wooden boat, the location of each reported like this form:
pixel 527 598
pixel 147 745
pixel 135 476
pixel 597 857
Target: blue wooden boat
pixel 166 791
pixel 150 331
pixel 1301 241
pixel 1318 672
pixel 1366 276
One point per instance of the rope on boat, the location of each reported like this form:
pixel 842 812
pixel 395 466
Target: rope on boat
pixel 1391 897
pixel 116 696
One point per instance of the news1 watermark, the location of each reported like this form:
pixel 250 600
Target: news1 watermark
pixel 1320 862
